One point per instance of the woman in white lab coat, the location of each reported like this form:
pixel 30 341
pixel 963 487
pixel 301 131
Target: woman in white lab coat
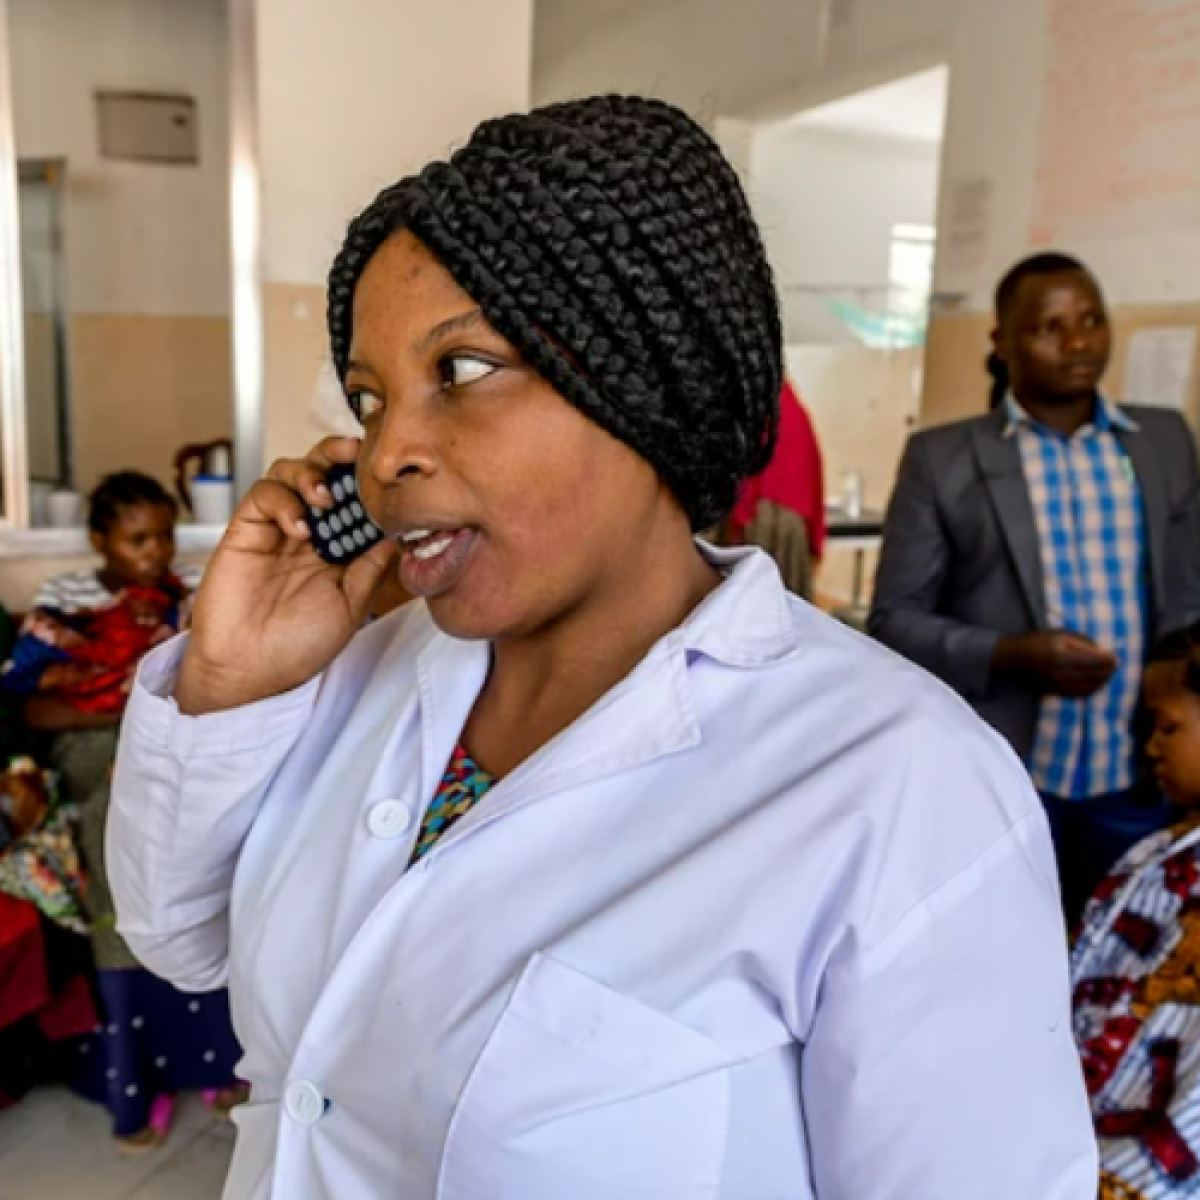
pixel 606 870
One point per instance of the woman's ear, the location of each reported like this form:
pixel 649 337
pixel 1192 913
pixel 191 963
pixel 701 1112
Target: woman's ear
pixel 99 542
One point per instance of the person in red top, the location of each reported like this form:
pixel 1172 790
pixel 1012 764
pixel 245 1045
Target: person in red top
pixel 794 478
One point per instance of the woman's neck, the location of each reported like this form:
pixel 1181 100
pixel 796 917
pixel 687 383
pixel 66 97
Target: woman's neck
pixel 540 685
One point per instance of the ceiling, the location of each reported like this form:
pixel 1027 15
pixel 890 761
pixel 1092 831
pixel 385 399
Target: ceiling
pixel 913 107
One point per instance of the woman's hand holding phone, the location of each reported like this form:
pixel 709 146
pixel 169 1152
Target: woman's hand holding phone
pixel 271 614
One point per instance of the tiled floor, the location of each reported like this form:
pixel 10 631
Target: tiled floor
pixel 54 1146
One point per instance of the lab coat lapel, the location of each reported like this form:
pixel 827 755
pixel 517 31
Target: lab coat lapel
pixel 649 715
pixel 450 676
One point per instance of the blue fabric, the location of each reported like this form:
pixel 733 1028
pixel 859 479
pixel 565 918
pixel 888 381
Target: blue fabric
pixel 1090 517
pixel 1090 839
pixel 30 659
pixel 153 1040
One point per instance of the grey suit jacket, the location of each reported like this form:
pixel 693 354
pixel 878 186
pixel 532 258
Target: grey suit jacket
pixel 961 561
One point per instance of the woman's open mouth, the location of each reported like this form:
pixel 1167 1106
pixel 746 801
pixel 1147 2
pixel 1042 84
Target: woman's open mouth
pixel 432 561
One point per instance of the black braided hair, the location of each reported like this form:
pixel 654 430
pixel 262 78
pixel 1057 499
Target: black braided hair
pixel 997 368
pixel 610 242
pixel 125 489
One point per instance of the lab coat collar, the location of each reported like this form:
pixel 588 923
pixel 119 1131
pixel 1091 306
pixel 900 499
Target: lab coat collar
pixel 747 622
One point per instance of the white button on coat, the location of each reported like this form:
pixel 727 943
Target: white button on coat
pixel 304 1102
pixel 777 917
pixel 388 819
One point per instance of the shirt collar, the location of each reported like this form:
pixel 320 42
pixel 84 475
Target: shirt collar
pixel 748 620
pixel 1109 418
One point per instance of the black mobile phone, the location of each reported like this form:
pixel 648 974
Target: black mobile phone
pixel 341 533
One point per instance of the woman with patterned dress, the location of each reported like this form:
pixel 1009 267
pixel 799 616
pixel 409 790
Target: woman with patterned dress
pixel 1136 965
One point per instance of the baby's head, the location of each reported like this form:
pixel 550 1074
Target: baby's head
pixel 131 519
pixel 1172 695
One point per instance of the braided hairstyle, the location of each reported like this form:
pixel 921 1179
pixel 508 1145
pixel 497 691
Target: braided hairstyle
pixel 997 368
pixel 610 242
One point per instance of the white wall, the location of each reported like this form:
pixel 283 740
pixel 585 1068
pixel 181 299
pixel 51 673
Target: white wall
pixel 827 202
pixel 355 95
pixel 752 58
pixel 732 57
pixel 994 122
pixel 143 238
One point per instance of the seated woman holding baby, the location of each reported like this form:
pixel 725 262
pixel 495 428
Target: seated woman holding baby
pixel 72 668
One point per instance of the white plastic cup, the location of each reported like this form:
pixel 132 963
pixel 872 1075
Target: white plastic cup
pixel 217 464
pixel 212 499
pixel 64 509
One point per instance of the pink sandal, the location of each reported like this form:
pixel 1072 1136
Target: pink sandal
pixel 162 1111
pixel 147 1140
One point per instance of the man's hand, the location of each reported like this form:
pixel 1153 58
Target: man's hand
pixel 1055 663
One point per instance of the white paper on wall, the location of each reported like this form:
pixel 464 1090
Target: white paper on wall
pixel 1159 367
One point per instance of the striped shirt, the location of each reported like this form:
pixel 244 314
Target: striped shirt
pixel 82 591
pixel 1091 525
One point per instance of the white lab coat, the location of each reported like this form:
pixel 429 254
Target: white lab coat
pixel 775 920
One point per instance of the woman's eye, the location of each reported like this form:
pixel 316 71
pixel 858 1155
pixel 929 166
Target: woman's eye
pixel 364 405
pixel 458 370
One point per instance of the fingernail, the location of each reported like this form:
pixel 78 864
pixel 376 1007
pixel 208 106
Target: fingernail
pixel 302 529
pixel 323 491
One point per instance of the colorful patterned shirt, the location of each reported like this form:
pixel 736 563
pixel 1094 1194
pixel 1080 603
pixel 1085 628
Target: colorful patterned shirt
pixel 1091 524
pixel 464 784
pixel 1137 1018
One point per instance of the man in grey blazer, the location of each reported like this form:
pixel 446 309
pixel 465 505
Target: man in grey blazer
pixel 1031 556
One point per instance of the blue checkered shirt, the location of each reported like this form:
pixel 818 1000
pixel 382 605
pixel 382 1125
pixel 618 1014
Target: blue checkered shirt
pixel 1091 525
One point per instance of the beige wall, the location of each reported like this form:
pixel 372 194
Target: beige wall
pixel 296 347
pixel 145 386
